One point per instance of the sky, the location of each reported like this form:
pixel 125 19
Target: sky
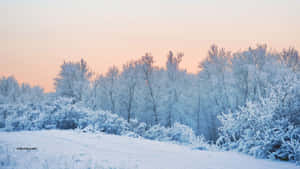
pixel 37 36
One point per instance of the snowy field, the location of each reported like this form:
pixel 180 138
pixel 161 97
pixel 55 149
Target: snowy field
pixel 72 149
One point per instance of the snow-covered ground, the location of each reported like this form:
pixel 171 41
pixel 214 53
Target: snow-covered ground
pixel 72 149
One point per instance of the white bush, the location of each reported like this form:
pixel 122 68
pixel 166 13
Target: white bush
pixel 265 128
pixel 178 133
pixel 157 132
pixel 64 113
pixel 181 133
pixel 60 113
pixel 109 123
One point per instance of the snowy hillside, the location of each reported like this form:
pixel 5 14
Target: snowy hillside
pixel 72 149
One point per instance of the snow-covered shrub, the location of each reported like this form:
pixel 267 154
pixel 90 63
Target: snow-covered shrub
pixel 3 115
pixel 265 128
pixel 61 113
pixel 33 116
pixel 68 118
pixel 200 143
pixel 132 134
pixel 134 123
pixel 181 133
pixel 140 129
pixel 20 117
pixel 157 132
pixel 287 146
pixel 178 133
pixel 107 122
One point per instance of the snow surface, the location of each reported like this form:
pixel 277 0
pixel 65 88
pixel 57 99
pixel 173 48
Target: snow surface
pixel 74 149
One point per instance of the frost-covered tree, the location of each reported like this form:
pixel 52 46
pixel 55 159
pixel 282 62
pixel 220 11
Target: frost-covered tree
pixel 31 94
pixel 129 79
pixel 9 89
pixel 106 90
pixel 291 58
pixel 111 79
pixel 253 70
pixel 73 80
pixel 148 74
pixel 172 82
pixel 201 104
pixel 214 70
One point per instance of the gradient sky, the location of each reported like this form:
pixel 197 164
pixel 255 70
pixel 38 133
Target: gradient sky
pixel 37 35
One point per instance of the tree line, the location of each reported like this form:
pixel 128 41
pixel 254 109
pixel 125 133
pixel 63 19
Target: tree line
pixel 224 83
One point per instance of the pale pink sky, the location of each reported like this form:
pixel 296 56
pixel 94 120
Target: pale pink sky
pixel 36 36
